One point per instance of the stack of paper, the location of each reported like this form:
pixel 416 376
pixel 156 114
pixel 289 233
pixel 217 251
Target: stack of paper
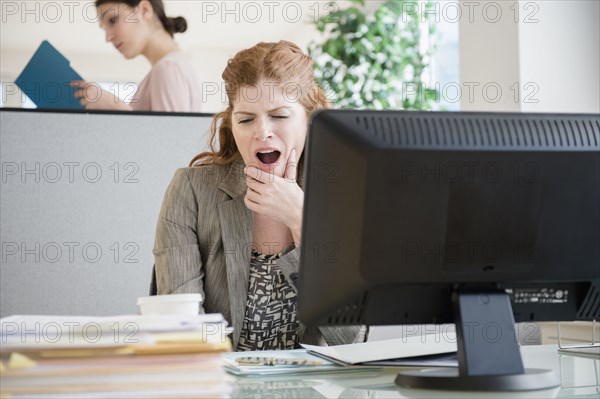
pixel 125 356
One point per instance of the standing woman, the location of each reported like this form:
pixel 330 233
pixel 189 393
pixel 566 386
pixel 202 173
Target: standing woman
pixel 137 27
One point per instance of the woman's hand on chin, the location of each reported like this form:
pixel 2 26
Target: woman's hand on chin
pixel 279 198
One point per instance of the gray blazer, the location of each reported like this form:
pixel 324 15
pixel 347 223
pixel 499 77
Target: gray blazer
pixel 203 242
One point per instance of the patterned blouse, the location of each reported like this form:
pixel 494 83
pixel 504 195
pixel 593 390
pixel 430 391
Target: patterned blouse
pixel 270 318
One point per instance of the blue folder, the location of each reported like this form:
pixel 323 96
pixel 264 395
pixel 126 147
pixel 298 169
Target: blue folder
pixel 46 79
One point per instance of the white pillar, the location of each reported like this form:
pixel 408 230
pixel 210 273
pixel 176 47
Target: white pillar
pixel 544 55
pixel 559 48
pixel 489 56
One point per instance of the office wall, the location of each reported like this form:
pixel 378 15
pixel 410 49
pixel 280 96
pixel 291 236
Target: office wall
pixel 530 56
pixel 80 195
pixel 551 52
pixel 560 55
pixel 216 31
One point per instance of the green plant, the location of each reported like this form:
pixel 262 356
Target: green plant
pixel 375 59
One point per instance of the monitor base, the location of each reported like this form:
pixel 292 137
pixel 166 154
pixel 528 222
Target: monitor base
pixel 450 380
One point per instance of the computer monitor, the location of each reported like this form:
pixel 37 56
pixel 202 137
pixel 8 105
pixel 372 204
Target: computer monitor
pixel 477 219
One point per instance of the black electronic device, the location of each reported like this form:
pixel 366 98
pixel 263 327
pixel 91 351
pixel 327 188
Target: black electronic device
pixel 477 219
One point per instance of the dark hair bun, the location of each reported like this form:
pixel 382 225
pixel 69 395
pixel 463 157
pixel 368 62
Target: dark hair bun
pixel 179 24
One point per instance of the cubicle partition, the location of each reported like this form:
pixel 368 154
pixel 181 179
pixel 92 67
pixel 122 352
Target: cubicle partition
pixel 80 196
pixel 79 200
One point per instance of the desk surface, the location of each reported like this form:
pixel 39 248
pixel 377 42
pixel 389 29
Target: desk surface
pixel 579 376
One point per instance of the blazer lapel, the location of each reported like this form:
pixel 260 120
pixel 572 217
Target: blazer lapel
pixel 236 229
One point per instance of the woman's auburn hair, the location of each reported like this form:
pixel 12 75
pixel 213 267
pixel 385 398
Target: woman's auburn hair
pixel 282 63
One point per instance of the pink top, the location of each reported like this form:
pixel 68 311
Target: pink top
pixel 170 86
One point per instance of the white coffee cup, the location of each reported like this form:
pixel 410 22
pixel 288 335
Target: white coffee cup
pixel 175 304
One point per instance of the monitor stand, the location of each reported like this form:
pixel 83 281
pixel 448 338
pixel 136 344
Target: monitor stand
pixel 489 358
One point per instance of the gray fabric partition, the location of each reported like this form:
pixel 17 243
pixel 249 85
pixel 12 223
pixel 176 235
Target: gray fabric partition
pixel 75 241
pixel 80 194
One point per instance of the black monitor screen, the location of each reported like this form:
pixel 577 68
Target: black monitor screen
pixel 405 211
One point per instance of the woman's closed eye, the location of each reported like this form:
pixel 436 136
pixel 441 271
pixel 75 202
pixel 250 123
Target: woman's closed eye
pixel 248 120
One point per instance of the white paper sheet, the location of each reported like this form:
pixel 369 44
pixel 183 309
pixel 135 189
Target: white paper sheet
pixel 424 345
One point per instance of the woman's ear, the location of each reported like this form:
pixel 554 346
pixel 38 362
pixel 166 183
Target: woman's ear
pixel 145 10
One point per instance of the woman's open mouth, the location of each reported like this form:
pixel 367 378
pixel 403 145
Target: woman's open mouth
pixel 268 157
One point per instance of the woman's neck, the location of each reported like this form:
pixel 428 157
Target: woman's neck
pixel 270 237
pixel 159 44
